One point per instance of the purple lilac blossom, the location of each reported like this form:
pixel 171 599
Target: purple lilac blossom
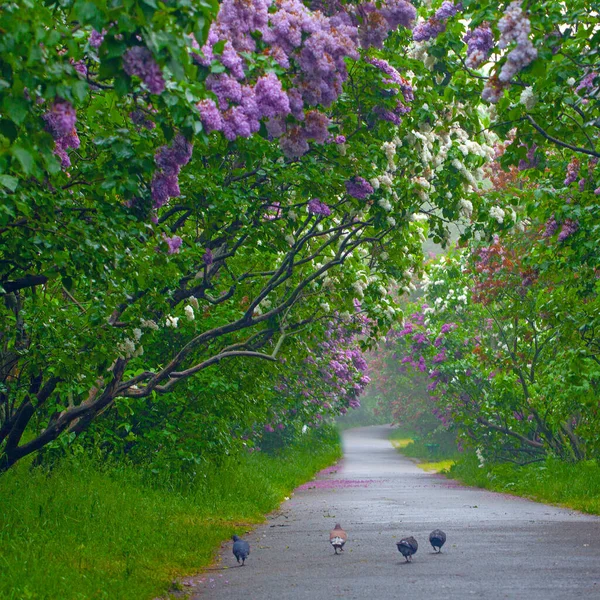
pixel 293 143
pixel 572 172
pixel 96 38
pixel 165 183
pixel 207 257
pixel 359 187
pixel 340 139
pixel 140 120
pixel 570 226
pixel 587 82
pixel 479 42
pixel 514 26
pixel 210 115
pixel 316 207
pixel 60 119
pixel 174 244
pixel 316 126
pixel 139 61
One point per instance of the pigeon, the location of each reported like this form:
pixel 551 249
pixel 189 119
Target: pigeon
pixel 437 538
pixel 407 547
pixel 241 549
pixel 338 538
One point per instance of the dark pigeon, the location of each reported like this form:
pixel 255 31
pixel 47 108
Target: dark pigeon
pixel 407 547
pixel 437 538
pixel 241 549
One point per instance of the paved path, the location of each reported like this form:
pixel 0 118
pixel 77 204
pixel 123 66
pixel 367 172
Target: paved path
pixel 498 546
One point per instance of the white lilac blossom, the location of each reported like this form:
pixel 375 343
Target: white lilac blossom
pixel 149 324
pixel 137 334
pixel 466 208
pixel 497 213
pixel 528 98
pixel 171 321
pixel 189 312
pixel 194 302
pixel 126 348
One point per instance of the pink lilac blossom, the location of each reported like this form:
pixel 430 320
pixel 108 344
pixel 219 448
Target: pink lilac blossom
pixel 359 187
pixel 479 42
pixel 139 61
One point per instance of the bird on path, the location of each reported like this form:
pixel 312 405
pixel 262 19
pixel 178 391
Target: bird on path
pixel 407 547
pixel 337 538
pixel 437 538
pixel 241 549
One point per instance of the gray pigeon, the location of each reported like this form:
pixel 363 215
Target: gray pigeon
pixel 407 547
pixel 437 538
pixel 241 549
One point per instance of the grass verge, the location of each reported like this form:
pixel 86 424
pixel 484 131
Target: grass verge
pixel 86 531
pixel 572 485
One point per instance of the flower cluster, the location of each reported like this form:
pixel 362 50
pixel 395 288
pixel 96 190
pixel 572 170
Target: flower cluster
pixel 165 183
pixel 289 32
pixel 359 187
pixel 316 207
pixel 139 61
pixel 514 26
pixel 479 42
pixel 572 172
pixel 60 123
pixel 435 25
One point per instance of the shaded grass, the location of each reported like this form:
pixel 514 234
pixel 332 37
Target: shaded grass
pixel 87 531
pixel 433 454
pixel 573 485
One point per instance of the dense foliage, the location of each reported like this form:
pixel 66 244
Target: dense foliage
pixel 247 184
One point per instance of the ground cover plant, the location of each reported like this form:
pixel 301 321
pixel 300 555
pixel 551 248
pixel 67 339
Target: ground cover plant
pixel 119 531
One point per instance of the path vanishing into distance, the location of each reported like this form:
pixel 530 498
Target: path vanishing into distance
pixel 498 546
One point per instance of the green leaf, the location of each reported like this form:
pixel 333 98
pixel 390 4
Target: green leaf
pixel 9 182
pixel 24 157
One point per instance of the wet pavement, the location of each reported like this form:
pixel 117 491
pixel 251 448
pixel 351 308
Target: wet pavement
pixel 499 546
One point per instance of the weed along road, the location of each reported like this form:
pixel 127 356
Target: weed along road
pixel 498 546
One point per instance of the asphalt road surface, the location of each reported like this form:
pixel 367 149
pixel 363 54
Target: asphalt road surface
pixel 498 546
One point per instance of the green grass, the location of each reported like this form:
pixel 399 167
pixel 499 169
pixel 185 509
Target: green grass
pixel 437 453
pixel 574 485
pixel 90 532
